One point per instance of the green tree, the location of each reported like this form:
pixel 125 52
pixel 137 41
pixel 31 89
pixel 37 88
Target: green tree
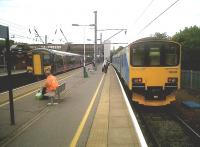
pixel 158 35
pixel 189 38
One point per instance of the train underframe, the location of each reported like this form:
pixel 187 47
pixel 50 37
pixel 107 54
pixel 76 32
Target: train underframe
pixel 154 96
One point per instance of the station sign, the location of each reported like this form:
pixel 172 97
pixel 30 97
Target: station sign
pixel 3 31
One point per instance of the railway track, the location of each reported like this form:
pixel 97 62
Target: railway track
pixel 164 128
pixel 195 135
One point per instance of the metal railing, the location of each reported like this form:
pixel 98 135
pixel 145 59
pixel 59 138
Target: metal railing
pixel 190 79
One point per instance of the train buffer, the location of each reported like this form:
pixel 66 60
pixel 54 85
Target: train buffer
pixel 55 95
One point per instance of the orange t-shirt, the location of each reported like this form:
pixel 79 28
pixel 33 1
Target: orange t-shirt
pixel 51 83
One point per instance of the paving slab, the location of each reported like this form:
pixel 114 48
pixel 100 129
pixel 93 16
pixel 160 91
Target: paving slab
pixel 112 126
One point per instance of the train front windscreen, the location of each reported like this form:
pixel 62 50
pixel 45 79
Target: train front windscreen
pixel 155 54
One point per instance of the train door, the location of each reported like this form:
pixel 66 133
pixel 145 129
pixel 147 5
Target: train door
pixel 46 63
pixel 37 65
pixel 29 63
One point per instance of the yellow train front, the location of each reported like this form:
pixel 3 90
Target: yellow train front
pixel 151 70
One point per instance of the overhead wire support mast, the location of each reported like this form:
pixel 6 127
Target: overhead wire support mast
pixel 65 38
pixel 38 36
pixel 64 35
pixel 157 17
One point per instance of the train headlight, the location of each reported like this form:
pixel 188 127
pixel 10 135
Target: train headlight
pixel 172 80
pixel 137 80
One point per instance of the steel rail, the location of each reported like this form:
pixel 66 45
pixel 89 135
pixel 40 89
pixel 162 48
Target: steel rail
pixel 151 135
pixel 187 127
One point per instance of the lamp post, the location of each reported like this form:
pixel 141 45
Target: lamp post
pixel 84 68
pixel 95 35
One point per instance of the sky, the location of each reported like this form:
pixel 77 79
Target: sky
pixel 48 15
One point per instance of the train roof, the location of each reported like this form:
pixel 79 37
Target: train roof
pixel 57 52
pixel 151 39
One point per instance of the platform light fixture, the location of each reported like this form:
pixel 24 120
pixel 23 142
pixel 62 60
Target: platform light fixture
pixel 84 68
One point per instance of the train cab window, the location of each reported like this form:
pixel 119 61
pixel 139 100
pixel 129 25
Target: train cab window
pixel 46 59
pixel 147 54
pixel 154 56
pixel 171 57
pixel 138 57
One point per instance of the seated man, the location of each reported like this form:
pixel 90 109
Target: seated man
pixel 51 83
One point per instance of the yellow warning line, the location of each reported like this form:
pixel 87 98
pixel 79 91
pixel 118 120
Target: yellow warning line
pixel 84 119
pixel 20 97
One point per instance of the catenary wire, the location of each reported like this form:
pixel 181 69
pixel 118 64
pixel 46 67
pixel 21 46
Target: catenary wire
pixel 157 17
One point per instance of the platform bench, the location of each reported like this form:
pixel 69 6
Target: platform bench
pixel 55 95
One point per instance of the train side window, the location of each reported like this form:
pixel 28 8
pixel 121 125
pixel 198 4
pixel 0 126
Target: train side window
pixel 68 60
pixel 46 60
pixel 60 61
pixel 72 60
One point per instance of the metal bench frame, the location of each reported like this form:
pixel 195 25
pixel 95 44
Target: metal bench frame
pixel 55 95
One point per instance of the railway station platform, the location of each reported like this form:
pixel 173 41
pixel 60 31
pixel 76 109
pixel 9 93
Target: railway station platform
pixel 112 124
pixel 93 114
